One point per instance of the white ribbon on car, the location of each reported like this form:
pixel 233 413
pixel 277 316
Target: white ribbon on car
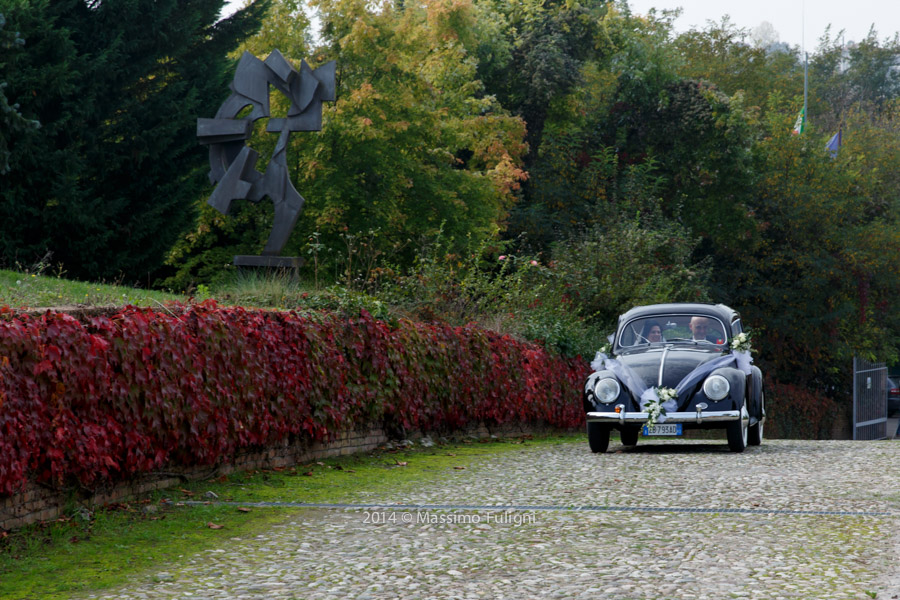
pixel 743 360
pixel 623 373
pixel 651 395
pixel 636 386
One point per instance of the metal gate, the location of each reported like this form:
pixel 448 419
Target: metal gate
pixel 869 400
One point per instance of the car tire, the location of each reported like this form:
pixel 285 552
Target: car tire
pixel 737 432
pixel 755 433
pixel 629 436
pixel 598 437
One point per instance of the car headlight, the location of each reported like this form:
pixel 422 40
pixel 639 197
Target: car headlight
pixel 607 390
pixel 716 387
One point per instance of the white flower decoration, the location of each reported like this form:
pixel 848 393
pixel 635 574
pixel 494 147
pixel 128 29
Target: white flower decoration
pixel 741 342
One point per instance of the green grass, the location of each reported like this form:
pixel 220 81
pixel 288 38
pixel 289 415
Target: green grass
pixel 31 290
pixel 64 558
pixel 357 477
pixel 274 289
pixel 35 290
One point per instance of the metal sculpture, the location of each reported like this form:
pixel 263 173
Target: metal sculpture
pixel 232 162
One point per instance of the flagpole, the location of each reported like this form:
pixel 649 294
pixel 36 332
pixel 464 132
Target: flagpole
pixel 805 83
pixel 805 61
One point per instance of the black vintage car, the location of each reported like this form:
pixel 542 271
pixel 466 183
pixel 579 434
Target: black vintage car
pixel 680 350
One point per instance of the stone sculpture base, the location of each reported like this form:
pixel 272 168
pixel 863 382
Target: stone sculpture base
pixel 272 263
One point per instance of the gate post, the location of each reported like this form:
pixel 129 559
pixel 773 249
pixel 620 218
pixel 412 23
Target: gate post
pixel 854 399
pixel 869 400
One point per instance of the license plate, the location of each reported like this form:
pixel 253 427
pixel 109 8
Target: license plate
pixel 664 429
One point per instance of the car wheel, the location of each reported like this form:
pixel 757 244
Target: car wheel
pixel 737 432
pixel 755 433
pixel 629 436
pixel 598 437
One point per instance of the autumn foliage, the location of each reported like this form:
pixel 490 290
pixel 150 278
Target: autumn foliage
pixel 116 396
pixel 796 412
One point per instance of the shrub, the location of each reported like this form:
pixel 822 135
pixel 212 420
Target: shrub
pixel 88 403
pixel 795 412
pixel 609 269
pixel 499 289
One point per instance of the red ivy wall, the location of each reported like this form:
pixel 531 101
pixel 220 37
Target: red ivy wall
pixel 115 396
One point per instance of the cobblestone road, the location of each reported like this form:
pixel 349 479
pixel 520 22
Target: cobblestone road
pixel 812 520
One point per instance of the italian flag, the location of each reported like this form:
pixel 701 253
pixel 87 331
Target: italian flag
pixel 800 123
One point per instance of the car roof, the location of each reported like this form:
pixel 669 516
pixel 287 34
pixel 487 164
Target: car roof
pixel 722 312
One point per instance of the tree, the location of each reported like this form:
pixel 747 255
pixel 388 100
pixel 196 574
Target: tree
pixel 821 286
pixel 861 76
pixel 764 35
pixel 532 53
pixel 44 163
pixel 11 120
pixel 106 185
pixel 629 261
pixel 582 166
pixel 721 54
pixel 410 147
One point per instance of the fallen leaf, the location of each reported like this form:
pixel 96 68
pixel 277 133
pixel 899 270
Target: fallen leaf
pixel 308 473
pixel 459 468
pixel 212 525
pixel 243 509
pixel 187 492
pixel 400 463
pixel 451 455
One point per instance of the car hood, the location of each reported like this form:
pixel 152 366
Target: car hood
pixel 679 361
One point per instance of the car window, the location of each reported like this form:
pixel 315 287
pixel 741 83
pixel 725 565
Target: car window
pixel 686 328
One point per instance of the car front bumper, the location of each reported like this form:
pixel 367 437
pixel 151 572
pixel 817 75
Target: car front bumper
pixel 622 417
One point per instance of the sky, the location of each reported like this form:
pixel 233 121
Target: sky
pixel 787 16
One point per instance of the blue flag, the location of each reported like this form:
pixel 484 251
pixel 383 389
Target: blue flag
pixel 834 144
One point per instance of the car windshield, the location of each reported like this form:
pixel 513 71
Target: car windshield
pixel 672 328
